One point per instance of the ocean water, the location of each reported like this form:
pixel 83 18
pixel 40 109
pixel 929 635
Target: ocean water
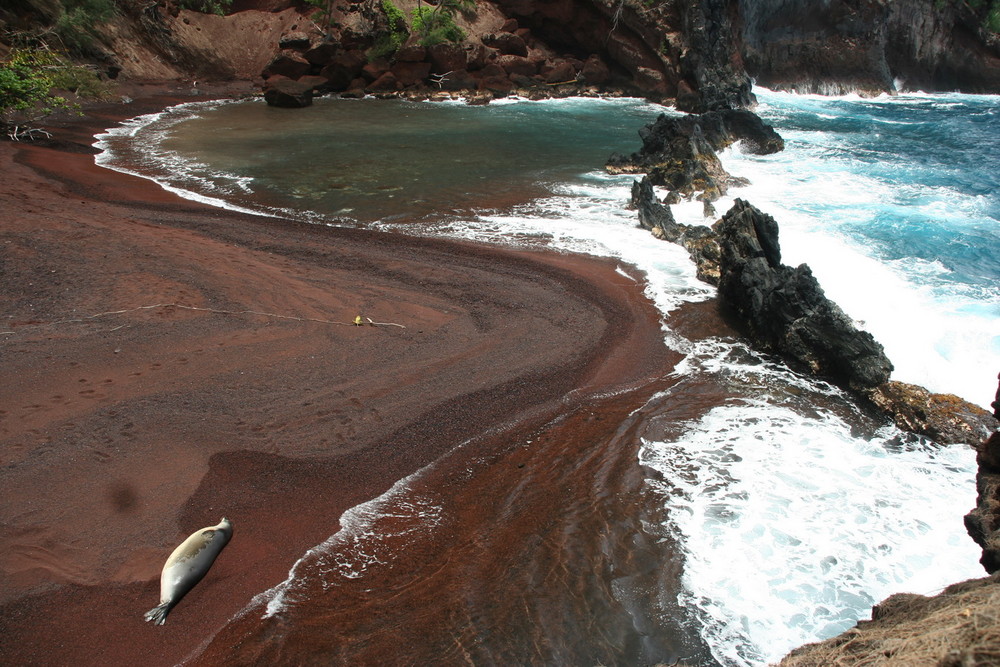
pixel 792 512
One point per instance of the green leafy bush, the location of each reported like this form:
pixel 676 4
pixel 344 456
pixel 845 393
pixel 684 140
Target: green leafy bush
pixel 436 25
pixel 219 7
pixel 389 43
pixel 28 78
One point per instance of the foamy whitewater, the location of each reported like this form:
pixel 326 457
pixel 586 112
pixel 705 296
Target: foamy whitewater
pixel 792 520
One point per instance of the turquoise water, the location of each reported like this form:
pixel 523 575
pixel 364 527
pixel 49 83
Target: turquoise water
pixel 381 160
pixel 894 203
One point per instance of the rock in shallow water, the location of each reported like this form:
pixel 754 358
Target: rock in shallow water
pixel 280 91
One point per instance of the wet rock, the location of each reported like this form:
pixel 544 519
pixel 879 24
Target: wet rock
pixel 785 310
pixel 679 152
pixel 944 418
pixel 280 91
pixel 700 241
pixel 983 522
pixel 996 401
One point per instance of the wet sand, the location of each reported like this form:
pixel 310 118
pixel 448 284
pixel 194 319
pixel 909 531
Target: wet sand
pixel 167 363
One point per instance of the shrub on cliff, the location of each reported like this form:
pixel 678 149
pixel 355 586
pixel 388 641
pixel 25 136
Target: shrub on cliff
pixel 437 25
pixel 219 7
pixel 28 81
pixel 390 42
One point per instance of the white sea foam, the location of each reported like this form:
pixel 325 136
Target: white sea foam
pixel 369 534
pixel 792 527
pixel 938 332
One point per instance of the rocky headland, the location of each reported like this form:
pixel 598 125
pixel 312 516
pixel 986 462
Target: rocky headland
pixel 783 310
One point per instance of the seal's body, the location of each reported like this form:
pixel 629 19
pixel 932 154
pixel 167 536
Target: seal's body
pixel 187 565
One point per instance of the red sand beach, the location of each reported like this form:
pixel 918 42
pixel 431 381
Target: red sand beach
pixel 126 424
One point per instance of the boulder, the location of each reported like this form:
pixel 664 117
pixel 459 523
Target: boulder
pixel 386 82
pixel 295 39
pixel 447 57
pixel 477 55
pixel 280 91
pixel 559 72
pixel 317 83
pixel 287 63
pixel 458 80
pixel 343 68
pixel 411 73
pixel 595 72
pixel 371 71
pixel 322 53
pixel 784 310
pixel 517 65
pixel 415 53
pixel 499 84
pixel 507 44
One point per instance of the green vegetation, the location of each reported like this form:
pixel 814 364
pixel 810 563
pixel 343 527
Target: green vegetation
pixel 993 18
pixel 29 78
pixel 219 7
pixel 325 11
pixel 76 24
pixel 987 10
pixel 390 42
pixel 437 25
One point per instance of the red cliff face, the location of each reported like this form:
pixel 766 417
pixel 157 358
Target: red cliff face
pixel 700 53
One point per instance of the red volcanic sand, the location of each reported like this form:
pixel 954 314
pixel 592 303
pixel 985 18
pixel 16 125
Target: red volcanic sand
pixel 126 424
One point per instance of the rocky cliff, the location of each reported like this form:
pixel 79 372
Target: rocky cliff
pixel 699 53
pixel 839 46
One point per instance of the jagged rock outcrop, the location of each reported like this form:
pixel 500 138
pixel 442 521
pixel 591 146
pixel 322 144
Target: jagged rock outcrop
pixel 944 418
pixel 955 628
pixel 983 522
pixel 699 240
pixel 679 152
pixel 785 310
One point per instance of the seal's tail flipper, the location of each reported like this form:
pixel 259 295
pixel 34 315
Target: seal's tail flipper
pixel 158 614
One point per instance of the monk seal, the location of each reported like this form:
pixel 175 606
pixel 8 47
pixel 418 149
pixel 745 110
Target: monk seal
pixel 187 565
